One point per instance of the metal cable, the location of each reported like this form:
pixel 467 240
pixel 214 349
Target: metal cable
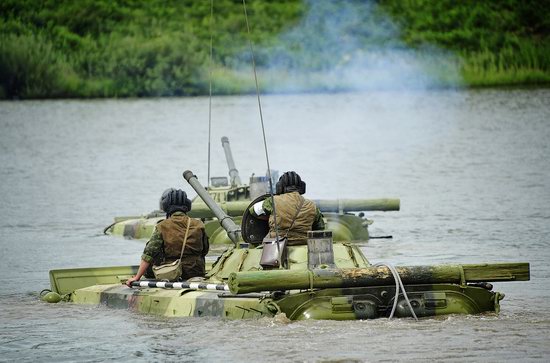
pixel 262 122
pixel 398 283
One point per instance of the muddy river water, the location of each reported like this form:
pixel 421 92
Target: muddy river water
pixel 472 170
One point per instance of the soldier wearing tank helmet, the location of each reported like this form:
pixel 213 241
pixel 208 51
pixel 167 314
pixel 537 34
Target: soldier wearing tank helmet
pixel 296 215
pixel 165 245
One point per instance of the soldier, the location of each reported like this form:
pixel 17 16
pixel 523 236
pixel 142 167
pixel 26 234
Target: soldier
pixel 296 215
pixel 165 245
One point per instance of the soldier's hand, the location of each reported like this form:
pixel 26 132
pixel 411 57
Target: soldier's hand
pixel 130 280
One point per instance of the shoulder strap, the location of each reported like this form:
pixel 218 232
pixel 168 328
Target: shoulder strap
pixel 185 238
pixel 295 216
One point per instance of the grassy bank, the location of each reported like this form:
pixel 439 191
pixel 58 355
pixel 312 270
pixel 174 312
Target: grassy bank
pixel 122 48
pixel 526 64
pixel 495 42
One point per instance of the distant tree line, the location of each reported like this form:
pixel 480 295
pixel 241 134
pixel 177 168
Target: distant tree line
pixel 125 48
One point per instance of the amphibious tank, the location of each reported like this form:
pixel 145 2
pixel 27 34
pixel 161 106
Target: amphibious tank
pixel 322 279
pixel 344 217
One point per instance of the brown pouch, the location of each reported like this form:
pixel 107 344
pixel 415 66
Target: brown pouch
pixel 168 271
pixel 273 253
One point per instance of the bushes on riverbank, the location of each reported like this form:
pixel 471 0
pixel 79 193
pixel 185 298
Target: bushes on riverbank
pixel 122 48
pixel 496 42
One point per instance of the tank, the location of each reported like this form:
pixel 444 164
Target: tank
pixel 323 279
pixel 344 217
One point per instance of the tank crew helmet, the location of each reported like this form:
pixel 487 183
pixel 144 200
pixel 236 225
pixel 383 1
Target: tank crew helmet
pixel 174 200
pixel 290 182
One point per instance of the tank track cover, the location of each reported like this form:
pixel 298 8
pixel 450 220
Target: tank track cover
pixel 322 280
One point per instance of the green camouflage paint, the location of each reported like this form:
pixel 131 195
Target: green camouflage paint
pixel 105 286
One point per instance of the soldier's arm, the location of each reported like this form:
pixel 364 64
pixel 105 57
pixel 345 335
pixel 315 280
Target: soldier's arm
pixel 154 248
pixel 262 209
pixel 143 266
pixel 318 223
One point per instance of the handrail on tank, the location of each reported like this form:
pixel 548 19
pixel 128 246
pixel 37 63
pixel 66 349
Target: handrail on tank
pixel 233 172
pixel 233 231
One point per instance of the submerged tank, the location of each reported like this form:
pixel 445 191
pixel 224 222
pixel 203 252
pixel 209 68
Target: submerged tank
pixel 344 217
pixel 322 279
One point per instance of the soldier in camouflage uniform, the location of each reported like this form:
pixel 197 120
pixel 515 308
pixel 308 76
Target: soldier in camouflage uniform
pixel 166 243
pixel 288 200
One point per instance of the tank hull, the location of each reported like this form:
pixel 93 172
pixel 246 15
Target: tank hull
pixel 327 304
pixel 354 289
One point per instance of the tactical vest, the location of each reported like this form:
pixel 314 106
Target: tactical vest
pixel 173 234
pixel 286 206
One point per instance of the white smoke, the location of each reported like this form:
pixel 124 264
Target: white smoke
pixel 351 46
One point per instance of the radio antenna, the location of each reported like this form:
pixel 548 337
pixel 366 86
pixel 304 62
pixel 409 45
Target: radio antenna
pixel 262 122
pixel 210 91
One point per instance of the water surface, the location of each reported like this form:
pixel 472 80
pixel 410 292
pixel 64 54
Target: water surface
pixel 471 168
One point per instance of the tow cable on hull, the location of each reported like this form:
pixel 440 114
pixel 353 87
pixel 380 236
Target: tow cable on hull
pixel 398 283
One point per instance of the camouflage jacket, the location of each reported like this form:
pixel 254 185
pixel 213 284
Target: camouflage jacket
pixel 166 243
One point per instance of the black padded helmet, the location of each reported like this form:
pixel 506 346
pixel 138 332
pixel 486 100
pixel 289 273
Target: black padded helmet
pixel 173 200
pixel 290 182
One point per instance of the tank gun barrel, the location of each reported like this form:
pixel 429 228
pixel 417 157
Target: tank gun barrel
pixel 237 208
pixel 357 205
pixel 233 231
pixel 232 209
pixel 255 281
pixel 233 172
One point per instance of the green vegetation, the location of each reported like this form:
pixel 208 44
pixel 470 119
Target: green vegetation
pixel 125 48
pixel 504 42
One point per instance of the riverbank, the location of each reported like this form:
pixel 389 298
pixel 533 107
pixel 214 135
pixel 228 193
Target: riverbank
pixel 158 48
